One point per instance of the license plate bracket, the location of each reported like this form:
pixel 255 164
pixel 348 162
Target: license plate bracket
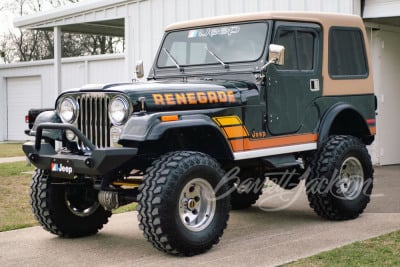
pixel 62 168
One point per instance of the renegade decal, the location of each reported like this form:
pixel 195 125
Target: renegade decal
pixel 248 144
pixel 371 124
pixel 240 140
pixel 236 131
pixel 372 130
pixel 194 98
pixel 228 121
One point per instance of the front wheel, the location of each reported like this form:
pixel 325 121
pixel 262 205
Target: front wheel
pixel 341 179
pixel 66 210
pixel 183 205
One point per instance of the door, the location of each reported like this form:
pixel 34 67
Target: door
pixel 386 62
pixel 23 93
pixel 292 87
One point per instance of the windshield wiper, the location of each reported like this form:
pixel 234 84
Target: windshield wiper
pixel 217 58
pixel 173 59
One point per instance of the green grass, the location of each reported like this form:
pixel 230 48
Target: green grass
pixel 126 208
pixel 15 210
pixel 380 251
pixel 15 169
pixel 11 150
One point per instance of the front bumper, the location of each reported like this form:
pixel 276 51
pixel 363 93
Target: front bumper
pixel 94 162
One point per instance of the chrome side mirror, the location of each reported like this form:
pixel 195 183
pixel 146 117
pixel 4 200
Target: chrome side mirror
pixel 276 54
pixel 139 69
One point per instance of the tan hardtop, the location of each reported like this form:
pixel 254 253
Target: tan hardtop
pixel 326 20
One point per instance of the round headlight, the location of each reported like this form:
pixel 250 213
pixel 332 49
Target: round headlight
pixel 118 110
pixel 67 109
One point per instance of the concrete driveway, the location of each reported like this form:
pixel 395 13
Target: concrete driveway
pixel 264 235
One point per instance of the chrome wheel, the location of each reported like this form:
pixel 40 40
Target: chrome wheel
pixel 197 205
pixel 81 201
pixel 82 212
pixel 351 178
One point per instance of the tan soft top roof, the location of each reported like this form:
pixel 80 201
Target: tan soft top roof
pixel 326 20
pixel 322 18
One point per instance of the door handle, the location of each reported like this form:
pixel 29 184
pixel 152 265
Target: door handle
pixel 314 85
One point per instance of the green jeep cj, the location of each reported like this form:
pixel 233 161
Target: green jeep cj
pixel 227 100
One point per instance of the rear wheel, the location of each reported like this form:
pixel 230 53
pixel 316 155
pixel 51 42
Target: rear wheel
pixel 341 179
pixel 183 208
pixel 66 210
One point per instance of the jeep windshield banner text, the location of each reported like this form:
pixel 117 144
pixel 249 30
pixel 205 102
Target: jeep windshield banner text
pixel 213 45
pixel 229 102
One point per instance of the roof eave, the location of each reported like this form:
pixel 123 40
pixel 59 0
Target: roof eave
pixel 44 17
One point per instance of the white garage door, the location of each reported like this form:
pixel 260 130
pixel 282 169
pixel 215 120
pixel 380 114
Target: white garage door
pixel 23 93
pixel 388 78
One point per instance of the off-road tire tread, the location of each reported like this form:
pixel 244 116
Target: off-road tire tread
pixel 155 183
pixel 40 204
pixel 330 152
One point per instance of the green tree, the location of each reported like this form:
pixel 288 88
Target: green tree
pixel 28 45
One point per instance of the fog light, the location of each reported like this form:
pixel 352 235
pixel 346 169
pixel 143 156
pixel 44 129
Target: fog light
pixel 70 135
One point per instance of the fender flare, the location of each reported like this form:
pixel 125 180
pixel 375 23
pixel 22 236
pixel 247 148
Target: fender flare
pixel 150 128
pixel 329 117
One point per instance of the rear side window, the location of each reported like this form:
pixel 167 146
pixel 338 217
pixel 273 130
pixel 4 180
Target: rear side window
pixel 347 56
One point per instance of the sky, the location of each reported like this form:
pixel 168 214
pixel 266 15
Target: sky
pixel 7 16
pixel 6 21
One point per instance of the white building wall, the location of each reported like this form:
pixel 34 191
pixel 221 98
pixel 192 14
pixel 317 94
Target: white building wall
pixel 381 8
pixel 76 72
pixel 386 57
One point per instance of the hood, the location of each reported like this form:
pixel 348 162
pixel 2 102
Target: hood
pixel 168 96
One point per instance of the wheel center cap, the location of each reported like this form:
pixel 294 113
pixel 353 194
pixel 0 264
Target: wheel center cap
pixel 191 204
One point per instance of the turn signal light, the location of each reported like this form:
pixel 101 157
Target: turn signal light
pixel 169 118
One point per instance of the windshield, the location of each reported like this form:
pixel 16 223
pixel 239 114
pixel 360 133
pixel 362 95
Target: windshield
pixel 213 45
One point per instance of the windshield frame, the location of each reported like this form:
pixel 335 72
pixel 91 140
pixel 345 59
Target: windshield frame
pixel 257 61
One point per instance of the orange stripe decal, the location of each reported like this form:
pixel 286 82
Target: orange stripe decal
pixel 240 140
pixel 250 144
pixel 235 131
pixel 372 129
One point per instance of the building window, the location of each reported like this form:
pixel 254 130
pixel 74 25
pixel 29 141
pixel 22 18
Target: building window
pixel 347 57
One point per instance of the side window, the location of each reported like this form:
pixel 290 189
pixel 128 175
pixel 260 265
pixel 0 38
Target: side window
pixel 305 48
pixel 299 48
pixel 288 40
pixel 347 57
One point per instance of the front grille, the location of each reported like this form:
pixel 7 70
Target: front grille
pixel 93 119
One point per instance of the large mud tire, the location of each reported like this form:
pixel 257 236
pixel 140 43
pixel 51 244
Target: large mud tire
pixel 341 180
pixel 66 210
pixel 182 206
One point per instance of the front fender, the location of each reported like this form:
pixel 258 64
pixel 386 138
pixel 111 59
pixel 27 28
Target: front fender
pixel 47 117
pixel 151 128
